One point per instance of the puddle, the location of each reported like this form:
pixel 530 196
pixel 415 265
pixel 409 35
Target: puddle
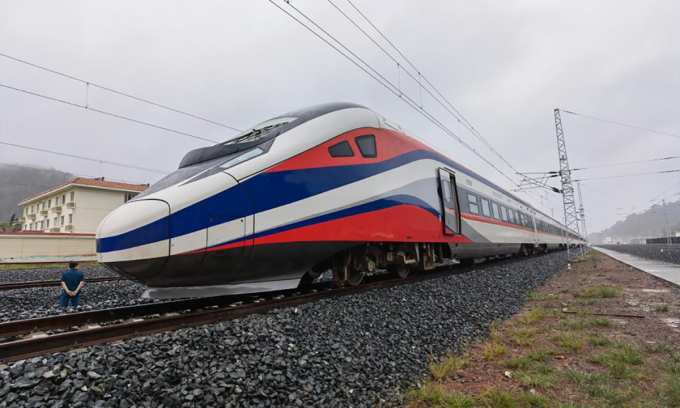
pixel 656 290
pixel 672 322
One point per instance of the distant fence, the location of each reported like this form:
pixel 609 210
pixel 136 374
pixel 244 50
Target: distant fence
pixel 674 240
pixel 23 245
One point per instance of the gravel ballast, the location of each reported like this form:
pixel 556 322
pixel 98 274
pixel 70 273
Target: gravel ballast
pixel 656 252
pixel 359 350
pixel 29 303
pixel 50 274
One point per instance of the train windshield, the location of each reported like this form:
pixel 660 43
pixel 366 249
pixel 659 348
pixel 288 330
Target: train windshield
pixel 258 131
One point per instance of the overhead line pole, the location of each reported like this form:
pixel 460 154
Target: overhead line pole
pixel 668 228
pixel 570 219
pixel 583 214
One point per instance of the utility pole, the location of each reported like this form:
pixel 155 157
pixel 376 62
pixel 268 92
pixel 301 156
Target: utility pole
pixel 582 213
pixel 570 221
pixel 668 228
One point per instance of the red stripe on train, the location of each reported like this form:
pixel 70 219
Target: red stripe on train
pixel 403 223
pixel 389 144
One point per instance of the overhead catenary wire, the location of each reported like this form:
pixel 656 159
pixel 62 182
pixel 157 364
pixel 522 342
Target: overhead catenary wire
pixel 551 174
pixel 458 114
pixel 88 84
pixel 626 163
pixel 630 175
pixel 64 173
pixel 106 113
pixel 85 158
pixel 621 124
pixel 383 81
pixel 388 85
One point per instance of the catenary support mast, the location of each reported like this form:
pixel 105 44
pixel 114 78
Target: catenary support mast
pixel 582 213
pixel 570 219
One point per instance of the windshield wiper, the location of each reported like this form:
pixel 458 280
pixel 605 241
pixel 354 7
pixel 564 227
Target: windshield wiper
pixel 254 132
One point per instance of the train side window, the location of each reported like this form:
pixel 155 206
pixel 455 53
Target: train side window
pixel 472 201
pixel 342 149
pixel 504 214
pixel 366 146
pixel 511 215
pixel 496 213
pixel 485 208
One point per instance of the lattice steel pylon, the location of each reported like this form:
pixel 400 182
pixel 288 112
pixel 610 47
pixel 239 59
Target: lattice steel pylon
pixel 582 214
pixel 570 219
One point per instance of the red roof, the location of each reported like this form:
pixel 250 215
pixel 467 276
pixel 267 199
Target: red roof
pixel 94 183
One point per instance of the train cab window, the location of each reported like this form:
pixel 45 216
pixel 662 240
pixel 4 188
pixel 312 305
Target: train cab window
pixel 366 146
pixel 496 212
pixel 504 214
pixel 472 201
pixel 485 208
pixel 342 149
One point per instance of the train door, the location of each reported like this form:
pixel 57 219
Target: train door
pixel 449 199
pixel 229 234
pixel 226 244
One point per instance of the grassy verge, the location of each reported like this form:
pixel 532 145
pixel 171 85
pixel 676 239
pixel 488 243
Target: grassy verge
pixel 544 357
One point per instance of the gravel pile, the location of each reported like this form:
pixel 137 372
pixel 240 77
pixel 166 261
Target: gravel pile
pixel 38 302
pixel 359 350
pixel 664 253
pixel 34 275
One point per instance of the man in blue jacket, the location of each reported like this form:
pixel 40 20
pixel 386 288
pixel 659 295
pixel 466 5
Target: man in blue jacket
pixel 72 281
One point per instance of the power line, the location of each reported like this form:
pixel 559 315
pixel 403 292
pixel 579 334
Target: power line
pixel 626 163
pixel 621 124
pixel 390 86
pixel 466 123
pixel 550 174
pixel 23 184
pixel 106 113
pixel 630 175
pixel 383 81
pixel 88 83
pixel 85 158
pixel 64 173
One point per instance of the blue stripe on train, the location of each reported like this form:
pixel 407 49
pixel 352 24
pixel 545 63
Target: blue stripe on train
pixel 377 205
pixel 268 190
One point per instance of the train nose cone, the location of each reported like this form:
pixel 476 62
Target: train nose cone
pixel 134 240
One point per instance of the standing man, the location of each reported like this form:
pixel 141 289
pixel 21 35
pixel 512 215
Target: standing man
pixel 72 281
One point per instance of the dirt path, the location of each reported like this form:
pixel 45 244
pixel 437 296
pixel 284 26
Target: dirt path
pixel 599 335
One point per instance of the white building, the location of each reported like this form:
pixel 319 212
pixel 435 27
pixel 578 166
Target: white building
pixel 77 206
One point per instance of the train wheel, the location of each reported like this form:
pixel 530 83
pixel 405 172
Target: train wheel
pixel 400 271
pixel 354 277
pixel 467 262
pixel 308 278
pixel 524 251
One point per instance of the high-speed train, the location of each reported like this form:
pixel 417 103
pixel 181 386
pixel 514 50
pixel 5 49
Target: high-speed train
pixel 335 186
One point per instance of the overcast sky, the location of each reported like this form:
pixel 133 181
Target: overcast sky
pixel 504 64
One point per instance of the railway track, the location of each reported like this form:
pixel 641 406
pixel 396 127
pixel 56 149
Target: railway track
pixel 44 284
pixel 167 316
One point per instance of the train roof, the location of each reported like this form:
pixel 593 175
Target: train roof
pixel 263 132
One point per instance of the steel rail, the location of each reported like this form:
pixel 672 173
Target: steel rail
pixel 22 349
pixel 44 284
pixel 18 327
pixel 61 342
